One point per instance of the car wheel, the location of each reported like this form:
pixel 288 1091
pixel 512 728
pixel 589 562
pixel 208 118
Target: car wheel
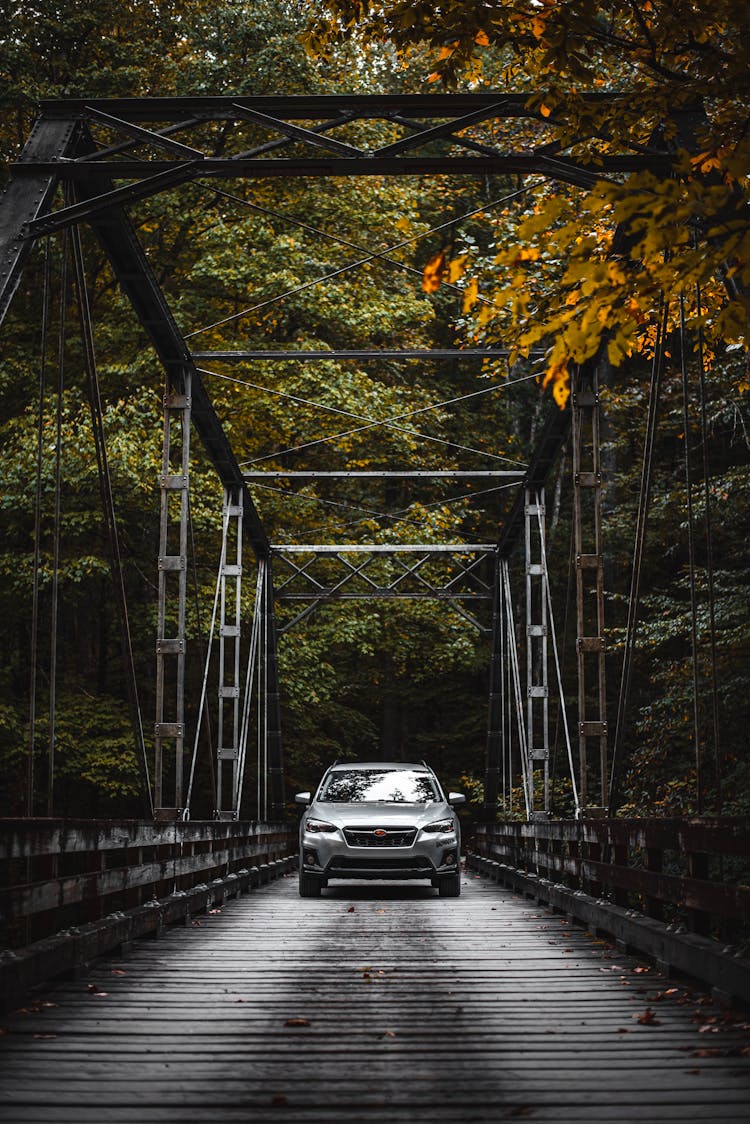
pixel 309 885
pixel 450 886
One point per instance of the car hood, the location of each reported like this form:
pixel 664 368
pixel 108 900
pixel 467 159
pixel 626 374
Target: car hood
pixel 379 814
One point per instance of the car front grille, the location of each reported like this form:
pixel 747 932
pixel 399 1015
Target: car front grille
pixel 343 863
pixel 371 837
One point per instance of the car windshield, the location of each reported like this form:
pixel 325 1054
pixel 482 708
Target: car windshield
pixel 393 786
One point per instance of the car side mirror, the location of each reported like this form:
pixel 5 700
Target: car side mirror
pixel 302 798
pixel 456 798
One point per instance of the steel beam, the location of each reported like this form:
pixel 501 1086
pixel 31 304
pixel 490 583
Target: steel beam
pixel 537 678
pixel 274 756
pixel 230 635
pixel 378 548
pixel 511 164
pixel 589 568
pixel 357 474
pixel 24 200
pixel 169 727
pixel 320 356
pixel 135 276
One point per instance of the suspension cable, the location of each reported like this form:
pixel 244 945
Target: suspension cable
pixel 109 512
pixel 644 503
pixel 56 528
pixel 404 266
pixel 252 659
pixel 709 557
pixel 699 784
pixel 206 667
pixel 513 650
pixel 33 657
pixel 388 422
pixel 374 256
pixel 204 657
pixel 371 423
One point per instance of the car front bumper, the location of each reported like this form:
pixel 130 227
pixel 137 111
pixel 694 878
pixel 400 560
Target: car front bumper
pixel 329 856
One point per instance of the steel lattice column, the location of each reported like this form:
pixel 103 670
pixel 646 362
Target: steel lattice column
pixel 587 481
pixel 537 684
pixel 170 643
pixel 272 704
pixel 495 724
pixel 230 634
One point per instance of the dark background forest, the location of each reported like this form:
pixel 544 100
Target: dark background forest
pixel 403 680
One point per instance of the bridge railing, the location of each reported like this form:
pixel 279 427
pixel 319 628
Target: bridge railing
pixel 73 889
pixel 676 889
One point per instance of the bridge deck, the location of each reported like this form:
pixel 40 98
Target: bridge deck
pixel 375 1003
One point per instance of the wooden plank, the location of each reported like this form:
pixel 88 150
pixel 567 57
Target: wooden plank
pixel 419 1009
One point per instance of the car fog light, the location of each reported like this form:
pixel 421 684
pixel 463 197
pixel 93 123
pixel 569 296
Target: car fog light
pixel 310 858
pixel 450 859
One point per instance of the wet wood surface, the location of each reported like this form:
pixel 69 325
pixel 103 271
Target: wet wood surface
pixel 377 1002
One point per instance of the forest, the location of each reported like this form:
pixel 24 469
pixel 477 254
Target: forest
pixel 555 274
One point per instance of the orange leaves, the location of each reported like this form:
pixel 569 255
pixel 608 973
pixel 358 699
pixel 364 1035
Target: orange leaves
pixel 559 376
pixel 434 272
pixel 439 269
pixel 538 27
pixel 471 296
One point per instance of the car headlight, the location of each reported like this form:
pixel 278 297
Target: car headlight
pixel 319 825
pixel 440 825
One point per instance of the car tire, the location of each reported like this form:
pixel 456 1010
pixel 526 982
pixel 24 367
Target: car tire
pixel 450 886
pixel 309 885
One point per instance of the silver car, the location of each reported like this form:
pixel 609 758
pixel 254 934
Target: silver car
pixel 380 820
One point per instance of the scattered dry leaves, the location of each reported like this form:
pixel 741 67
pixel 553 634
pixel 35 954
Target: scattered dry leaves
pixel 647 1018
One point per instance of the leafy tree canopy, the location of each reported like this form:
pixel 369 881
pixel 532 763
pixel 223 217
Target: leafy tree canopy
pixel 581 270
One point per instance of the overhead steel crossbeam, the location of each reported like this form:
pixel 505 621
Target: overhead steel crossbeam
pixel 148 153
pixel 321 356
pixel 384 572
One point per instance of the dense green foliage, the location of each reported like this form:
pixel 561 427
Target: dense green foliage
pixel 403 679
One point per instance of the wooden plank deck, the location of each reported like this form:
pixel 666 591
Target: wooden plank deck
pixel 375 1003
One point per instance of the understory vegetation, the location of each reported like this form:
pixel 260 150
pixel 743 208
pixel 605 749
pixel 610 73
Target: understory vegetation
pixel 554 273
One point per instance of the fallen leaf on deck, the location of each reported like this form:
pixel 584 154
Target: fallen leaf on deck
pixel 351 909
pixel 695 1071
pixel 297 1022
pixel 278 1100
pixel 648 1018
pixel 214 911
pixel 92 988
pixel 45 1036
pixel 388 1034
pixel 118 972
pixel 641 969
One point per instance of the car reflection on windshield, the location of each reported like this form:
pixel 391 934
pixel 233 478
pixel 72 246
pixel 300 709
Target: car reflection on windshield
pixel 383 786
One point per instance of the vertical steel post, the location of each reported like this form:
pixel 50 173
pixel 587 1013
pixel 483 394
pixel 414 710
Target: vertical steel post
pixel 537 684
pixel 272 703
pixel 495 716
pixel 590 645
pixel 169 727
pixel 230 632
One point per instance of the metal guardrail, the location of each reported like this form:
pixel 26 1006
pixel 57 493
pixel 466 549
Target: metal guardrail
pixel 677 890
pixel 72 890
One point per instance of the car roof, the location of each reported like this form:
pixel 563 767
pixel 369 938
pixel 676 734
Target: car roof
pixel 391 765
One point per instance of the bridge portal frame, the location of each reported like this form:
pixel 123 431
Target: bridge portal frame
pixel 89 145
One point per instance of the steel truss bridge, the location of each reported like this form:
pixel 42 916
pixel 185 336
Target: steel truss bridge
pixel 78 891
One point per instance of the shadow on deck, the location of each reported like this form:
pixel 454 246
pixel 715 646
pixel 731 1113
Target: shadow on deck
pixel 376 1002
